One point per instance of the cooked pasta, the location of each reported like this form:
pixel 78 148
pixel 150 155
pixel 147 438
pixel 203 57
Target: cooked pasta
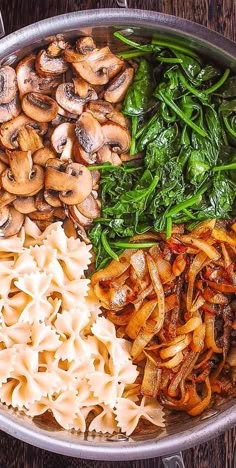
pixel 57 353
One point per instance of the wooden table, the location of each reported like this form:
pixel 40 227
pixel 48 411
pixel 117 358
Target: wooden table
pixel 216 14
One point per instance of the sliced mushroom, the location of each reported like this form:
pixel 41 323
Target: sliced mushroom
pixel 39 107
pixel 29 81
pixel 10 225
pixel 42 215
pixel 56 47
pixel 99 110
pixel 59 213
pixel 78 218
pixel 118 88
pixel 24 205
pixel 80 156
pixel 85 45
pixel 117 137
pixel 9 131
pixel 50 66
pixel 10 110
pixel 8 84
pixel 6 198
pixel 62 140
pixel 69 228
pixel 42 155
pixel 23 178
pixel 89 207
pixel 29 140
pixel 84 89
pixel 52 198
pixel 105 154
pixel 89 133
pixel 73 185
pixel 66 98
pixel 119 118
pixel 99 66
pixel 40 202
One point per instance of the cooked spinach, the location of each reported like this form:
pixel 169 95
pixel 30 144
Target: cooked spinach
pixel 183 120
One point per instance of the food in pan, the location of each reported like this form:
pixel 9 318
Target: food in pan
pixel 118 238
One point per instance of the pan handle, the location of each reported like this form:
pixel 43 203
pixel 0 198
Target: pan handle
pixel 122 3
pixel 173 461
pixel 2 30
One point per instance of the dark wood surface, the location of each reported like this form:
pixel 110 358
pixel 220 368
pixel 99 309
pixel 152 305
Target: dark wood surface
pixel 216 14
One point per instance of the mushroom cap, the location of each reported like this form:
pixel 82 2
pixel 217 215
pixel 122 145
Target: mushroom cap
pixel 85 44
pixel 39 107
pixel 116 136
pixel 13 224
pixel 89 207
pixel 42 155
pixel 61 135
pixel 119 118
pixel 68 100
pixel 118 88
pixel 89 133
pixel 78 217
pixel 74 185
pixel 24 205
pixel 52 198
pixel 50 66
pixel 11 110
pixel 8 84
pixel 84 89
pixel 22 178
pixel 99 66
pixel 80 156
pixel 29 81
pixel 99 110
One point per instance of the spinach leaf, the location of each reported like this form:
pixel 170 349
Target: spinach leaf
pixel 222 196
pixel 153 128
pixel 139 97
pixel 197 167
pixel 228 90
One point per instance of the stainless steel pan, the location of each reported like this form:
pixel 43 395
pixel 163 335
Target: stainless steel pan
pixel 181 432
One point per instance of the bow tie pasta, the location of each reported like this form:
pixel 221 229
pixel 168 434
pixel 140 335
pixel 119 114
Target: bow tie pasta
pixel 57 354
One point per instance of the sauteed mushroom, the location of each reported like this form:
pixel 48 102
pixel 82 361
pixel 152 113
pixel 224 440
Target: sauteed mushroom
pixel 9 131
pixel 29 139
pixel 78 217
pixel 8 84
pixel 118 88
pixel 23 178
pixel 29 81
pixel 62 140
pixel 52 198
pixel 39 107
pixel 89 207
pixel 66 98
pixel 81 156
pixel 85 44
pixel 105 154
pixel 50 66
pixel 119 118
pixel 99 66
pixel 11 221
pixel 99 110
pixel 89 133
pixel 116 136
pixel 24 205
pixel 10 110
pixel 73 185
pixel 42 155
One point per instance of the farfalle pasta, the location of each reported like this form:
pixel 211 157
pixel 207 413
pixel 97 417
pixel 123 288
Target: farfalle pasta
pixel 57 353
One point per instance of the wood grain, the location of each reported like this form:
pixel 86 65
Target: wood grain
pixel 219 15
